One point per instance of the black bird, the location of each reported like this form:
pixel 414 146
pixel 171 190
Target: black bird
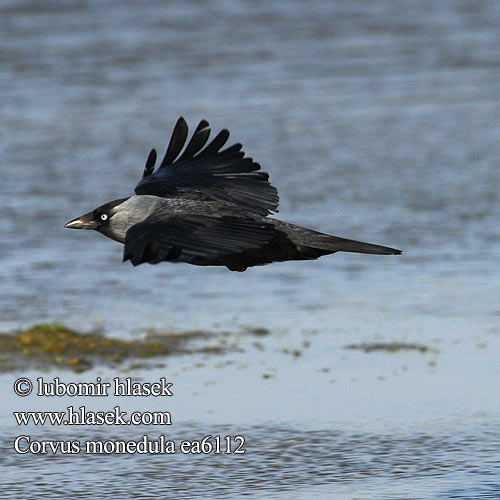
pixel 207 206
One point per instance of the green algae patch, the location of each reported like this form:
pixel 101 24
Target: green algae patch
pixel 46 345
pixel 390 347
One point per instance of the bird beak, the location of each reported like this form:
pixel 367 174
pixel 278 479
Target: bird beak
pixel 84 222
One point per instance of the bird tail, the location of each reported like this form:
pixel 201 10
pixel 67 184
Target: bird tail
pixel 325 243
pixel 336 244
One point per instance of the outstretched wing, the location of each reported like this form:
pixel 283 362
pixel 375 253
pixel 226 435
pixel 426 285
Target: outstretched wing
pixel 208 173
pixel 193 238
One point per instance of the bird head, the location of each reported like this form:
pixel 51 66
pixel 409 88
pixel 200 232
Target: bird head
pixel 100 219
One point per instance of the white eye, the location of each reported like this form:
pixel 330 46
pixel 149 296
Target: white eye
pixel 104 217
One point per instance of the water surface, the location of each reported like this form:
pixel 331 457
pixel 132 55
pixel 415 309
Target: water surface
pixel 376 121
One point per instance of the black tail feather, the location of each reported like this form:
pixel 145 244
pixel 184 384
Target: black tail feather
pixel 337 244
pixel 307 238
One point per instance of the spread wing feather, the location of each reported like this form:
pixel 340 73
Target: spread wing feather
pixel 199 139
pixel 150 164
pixel 208 172
pixel 190 238
pixel 177 141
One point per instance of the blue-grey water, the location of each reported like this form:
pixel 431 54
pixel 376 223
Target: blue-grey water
pixel 377 121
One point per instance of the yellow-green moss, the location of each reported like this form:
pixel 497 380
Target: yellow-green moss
pixel 56 344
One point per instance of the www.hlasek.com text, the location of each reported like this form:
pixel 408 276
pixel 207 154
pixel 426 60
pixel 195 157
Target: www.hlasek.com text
pixel 82 416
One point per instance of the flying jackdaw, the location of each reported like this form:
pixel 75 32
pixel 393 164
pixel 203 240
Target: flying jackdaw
pixel 209 206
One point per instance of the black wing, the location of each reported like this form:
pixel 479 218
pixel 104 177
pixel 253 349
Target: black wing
pixel 193 239
pixel 207 172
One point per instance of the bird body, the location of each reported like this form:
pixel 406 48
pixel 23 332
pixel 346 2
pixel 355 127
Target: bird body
pixel 209 207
